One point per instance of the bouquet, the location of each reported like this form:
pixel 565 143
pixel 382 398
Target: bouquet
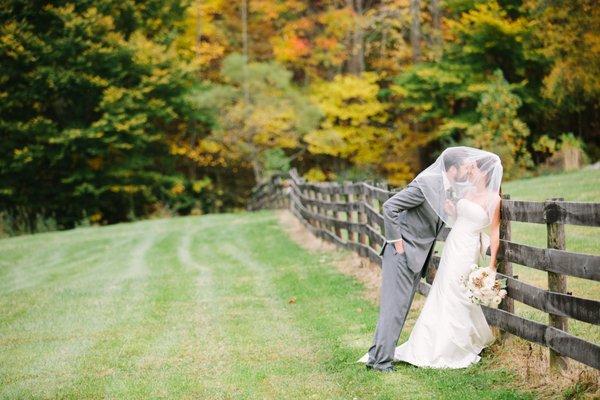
pixel 452 195
pixel 483 287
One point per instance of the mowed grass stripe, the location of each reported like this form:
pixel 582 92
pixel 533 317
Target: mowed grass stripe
pixel 73 316
pixel 47 263
pixel 150 350
pixel 44 327
pixel 272 357
pixel 116 364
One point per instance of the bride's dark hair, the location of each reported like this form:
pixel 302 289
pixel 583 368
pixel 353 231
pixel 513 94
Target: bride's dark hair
pixel 486 161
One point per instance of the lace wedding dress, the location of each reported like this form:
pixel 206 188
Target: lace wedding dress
pixel 451 331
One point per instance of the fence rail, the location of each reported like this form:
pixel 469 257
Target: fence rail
pixel 349 215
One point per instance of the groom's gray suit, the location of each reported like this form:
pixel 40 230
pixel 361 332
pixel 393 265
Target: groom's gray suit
pixel 407 217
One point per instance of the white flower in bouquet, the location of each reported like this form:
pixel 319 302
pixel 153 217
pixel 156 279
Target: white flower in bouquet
pixel 482 286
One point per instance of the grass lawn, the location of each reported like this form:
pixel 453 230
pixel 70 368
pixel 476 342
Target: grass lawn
pixel 212 307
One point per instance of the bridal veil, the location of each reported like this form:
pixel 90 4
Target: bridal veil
pixel 462 172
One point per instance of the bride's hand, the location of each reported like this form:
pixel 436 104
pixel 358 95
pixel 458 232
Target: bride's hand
pixel 450 208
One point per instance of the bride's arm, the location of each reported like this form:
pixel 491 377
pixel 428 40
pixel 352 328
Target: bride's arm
pixel 495 235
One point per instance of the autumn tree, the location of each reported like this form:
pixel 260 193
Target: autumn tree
pixel 276 115
pixel 354 127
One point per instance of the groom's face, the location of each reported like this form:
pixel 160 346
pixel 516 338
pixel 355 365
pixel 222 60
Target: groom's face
pixel 462 171
pixel 458 173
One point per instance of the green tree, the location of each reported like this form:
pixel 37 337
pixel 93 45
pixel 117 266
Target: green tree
pixel 568 37
pixel 275 114
pixel 499 128
pixel 442 97
pixel 88 102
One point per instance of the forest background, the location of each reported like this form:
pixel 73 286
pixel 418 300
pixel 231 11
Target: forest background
pixel 116 110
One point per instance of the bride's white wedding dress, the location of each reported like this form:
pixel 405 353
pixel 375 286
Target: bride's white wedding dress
pixel 451 331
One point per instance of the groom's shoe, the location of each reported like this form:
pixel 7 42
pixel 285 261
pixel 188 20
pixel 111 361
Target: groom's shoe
pixel 391 368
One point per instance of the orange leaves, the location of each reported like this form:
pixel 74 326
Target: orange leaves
pixel 301 46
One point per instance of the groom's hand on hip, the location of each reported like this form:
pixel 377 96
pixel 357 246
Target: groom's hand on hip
pixel 399 245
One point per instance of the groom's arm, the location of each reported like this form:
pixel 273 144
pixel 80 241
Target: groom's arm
pixel 409 197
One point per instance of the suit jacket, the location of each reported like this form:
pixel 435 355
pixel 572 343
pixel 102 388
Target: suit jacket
pixel 408 216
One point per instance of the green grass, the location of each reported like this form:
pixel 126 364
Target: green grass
pixel 197 308
pixel 578 186
pixel 582 185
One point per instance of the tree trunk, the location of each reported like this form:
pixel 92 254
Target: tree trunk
pixel 356 46
pixel 258 176
pixel 415 41
pixel 245 48
pixel 415 29
pixel 436 31
pixel 199 30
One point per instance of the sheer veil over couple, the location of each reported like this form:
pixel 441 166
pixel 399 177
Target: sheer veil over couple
pixel 461 189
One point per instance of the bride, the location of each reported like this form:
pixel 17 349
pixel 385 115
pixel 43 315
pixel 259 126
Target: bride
pixel 450 331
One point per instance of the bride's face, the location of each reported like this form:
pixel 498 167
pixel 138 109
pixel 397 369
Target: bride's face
pixel 475 175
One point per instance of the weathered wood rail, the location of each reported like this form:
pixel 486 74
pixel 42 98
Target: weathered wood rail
pixel 349 215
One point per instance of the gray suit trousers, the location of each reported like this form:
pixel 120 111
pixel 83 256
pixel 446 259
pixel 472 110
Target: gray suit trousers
pixel 398 286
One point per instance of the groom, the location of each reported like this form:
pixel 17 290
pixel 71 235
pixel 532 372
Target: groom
pixel 411 227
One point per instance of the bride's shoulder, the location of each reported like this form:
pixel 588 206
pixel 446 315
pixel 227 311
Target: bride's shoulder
pixel 495 197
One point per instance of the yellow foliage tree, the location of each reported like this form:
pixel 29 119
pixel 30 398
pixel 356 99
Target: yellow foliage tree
pixel 256 111
pixel 352 127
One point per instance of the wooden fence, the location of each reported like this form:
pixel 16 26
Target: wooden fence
pixel 349 215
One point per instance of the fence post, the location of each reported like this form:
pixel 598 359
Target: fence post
pixel 322 210
pixel 504 266
pixel 312 195
pixel 431 270
pixel 338 214
pixel 349 213
pixel 303 192
pixel 286 189
pixel 306 195
pixel 316 209
pixel 362 215
pixel 556 282
pixel 381 228
pixel 332 213
pixel 325 199
pixel 280 197
pixel 276 191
